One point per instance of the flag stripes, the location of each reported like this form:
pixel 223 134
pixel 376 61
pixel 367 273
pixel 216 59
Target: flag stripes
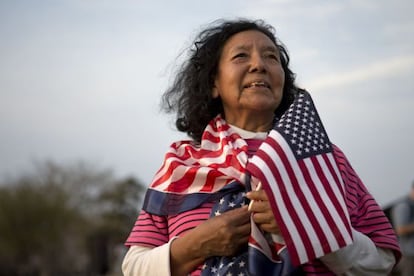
pixel 306 197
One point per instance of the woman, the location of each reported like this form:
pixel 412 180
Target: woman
pixel 233 89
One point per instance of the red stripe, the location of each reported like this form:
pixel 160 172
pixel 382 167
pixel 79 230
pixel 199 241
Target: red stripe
pixel 297 192
pixel 167 174
pixel 330 166
pixel 321 204
pixel 187 179
pixel 285 194
pixel 186 154
pixel 328 188
pixel 331 169
pixel 212 176
pixel 278 216
pixel 291 211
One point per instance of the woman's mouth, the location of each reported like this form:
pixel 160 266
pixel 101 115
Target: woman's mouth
pixel 257 84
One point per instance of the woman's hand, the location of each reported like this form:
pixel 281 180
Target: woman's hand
pixel 226 234
pixel 223 235
pixel 262 212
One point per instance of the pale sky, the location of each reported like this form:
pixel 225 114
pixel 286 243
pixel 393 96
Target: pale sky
pixel 82 79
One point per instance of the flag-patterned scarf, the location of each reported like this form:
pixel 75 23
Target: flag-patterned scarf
pixel 295 165
pixel 192 174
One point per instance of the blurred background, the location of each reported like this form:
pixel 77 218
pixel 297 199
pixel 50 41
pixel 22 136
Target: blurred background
pixel 67 219
pixel 82 135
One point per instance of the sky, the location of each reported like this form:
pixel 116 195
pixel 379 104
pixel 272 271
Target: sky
pixel 81 80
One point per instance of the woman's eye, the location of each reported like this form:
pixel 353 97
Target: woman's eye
pixel 273 56
pixel 240 55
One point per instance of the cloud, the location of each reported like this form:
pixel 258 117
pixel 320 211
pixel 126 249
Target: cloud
pixel 383 69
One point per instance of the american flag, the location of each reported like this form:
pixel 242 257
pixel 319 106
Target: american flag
pixel 299 173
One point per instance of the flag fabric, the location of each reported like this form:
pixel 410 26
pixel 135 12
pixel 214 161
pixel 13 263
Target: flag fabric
pixel 232 265
pixel 192 174
pixel 299 173
pixel 260 257
pixel 267 257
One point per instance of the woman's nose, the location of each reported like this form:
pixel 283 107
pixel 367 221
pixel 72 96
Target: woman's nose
pixel 257 64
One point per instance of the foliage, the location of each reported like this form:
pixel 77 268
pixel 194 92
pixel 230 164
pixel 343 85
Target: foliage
pixel 65 220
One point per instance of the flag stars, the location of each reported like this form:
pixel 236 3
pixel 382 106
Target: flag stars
pixel 302 129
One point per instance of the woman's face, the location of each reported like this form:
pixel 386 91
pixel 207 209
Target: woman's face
pixel 250 78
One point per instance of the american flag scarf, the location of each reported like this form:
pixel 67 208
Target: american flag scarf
pixel 192 174
pixel 295 165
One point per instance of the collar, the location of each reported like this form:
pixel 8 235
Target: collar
pixel 245 134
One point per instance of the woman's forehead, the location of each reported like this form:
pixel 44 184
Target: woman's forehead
pixel 246 40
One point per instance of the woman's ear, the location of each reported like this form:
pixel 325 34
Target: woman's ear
pixel 215 93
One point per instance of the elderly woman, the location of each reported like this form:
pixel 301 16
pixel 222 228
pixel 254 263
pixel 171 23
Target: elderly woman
pixel 235 87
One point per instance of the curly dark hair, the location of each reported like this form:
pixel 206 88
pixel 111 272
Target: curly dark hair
pixel 190 95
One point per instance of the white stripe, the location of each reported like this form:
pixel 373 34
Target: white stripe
pixel 210 145
pixel 287 221
pixel 316 209
pixel 178 173
pixel 260 239
pixel 331 179
pixel 339 196
pixel 339 176
pixel 205 161
pixel 337 172
pixel 329 206
pixel 296 238
pixel 327 200
pixel 308 226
